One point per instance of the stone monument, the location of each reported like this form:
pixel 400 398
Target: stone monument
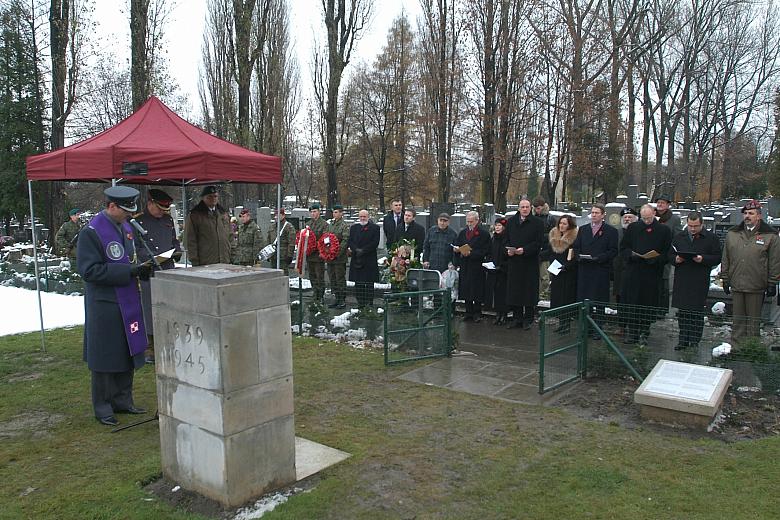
pixel 224 380
pixel 683 393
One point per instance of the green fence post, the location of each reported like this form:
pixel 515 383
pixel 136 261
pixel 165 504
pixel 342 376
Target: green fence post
pixel 300 304
pixel 542 326
pixel 386 331
pixel 585 309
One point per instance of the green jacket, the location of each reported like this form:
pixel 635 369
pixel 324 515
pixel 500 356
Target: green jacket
pixel 341 230
pixel 319 227
pixel 286 245
pixel 751 260
pixel 207 235
pixel 248 244
pixel 65 241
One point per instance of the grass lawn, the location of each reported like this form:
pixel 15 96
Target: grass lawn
pixel 417 451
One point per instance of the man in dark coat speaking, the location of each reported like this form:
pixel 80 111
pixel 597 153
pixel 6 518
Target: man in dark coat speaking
pixel 644 249
pixel 596 246
pixel 525 237
pixel 471 246
pixel 694 253
pixel 114 332
pixel 361 247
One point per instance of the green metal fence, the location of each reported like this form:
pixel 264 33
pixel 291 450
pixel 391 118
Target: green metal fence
pixel 417 325
pixel 612 340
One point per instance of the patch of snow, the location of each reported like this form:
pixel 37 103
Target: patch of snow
pixel 612 312
pixel 267 504
pixel 305 283
pixel 718 308
pixel 748 389
pixel 721 350
pixel 19 308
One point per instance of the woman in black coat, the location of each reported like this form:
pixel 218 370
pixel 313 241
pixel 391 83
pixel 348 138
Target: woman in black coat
pixel 563 286
pixel 498 276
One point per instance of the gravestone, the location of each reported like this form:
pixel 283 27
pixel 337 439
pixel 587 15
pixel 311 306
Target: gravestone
pixel 457 221
pixel 224 380
pixel 613 213
pixel 263 219
pixel 683 393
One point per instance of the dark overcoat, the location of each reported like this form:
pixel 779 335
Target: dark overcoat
pixel 105 344
pixel 471 276
pixel 363 242
pixel 414 232
pixel 389 227
pixel 692 279
pixel 593 275
pixel 642 277
pixel 522 279
pixel 496 278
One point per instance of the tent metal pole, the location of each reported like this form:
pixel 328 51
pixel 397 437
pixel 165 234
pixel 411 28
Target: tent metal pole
pixel 184 214
pixel 35 259
pixel 278 224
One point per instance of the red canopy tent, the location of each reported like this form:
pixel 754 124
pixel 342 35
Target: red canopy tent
pixel 155 146
pixel 152 146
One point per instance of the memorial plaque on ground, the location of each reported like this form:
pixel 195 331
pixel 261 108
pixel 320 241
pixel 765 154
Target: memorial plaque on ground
pixel 683 393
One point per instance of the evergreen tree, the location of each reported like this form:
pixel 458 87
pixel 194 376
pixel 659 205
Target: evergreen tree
pixel 21 133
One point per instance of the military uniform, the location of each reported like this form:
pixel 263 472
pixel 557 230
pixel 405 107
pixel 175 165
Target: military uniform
pixel 160 237
pixel 317 264
pixel 285 246
pixel 65 241
pixel 248 244
pixel 207 235
pixel 337 269
pixel 114 335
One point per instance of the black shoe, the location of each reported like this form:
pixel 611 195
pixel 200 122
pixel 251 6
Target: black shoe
pixel 133 411
pixel 514 325
pixel 149 360
pixel 468 317
pixel 562 329
pixel 108 420
pixel 526 326
pixel 595 336
pixel 477 319
pixel 341 305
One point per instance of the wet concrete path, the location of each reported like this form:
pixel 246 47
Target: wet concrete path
pixel 493 362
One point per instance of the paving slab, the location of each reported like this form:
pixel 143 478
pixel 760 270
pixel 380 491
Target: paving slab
pixel 312 457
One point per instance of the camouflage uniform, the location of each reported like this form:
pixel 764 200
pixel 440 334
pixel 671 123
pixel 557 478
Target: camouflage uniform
pixel 337 269
pixel 285 247
pixel 248 244
pixel 317 264
pixel 65 241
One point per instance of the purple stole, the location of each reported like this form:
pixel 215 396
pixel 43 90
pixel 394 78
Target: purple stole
pixel 128 296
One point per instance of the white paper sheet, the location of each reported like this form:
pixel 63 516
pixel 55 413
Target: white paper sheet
pixel 555 268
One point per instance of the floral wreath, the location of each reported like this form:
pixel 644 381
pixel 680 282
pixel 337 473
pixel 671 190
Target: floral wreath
pixel 329 246
pixel 300 240
pixel 401 259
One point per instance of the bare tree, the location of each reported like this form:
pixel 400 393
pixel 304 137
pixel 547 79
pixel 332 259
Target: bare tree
pixel 345 23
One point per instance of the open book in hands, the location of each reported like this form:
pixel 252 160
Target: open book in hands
pixel 647 256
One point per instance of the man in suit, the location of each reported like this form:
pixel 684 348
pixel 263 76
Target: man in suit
pixel 471 283
pixel 361 248
pixel 694 253
pixel 596 246
pixel 392 221
pixel 411 230
pixel 114 332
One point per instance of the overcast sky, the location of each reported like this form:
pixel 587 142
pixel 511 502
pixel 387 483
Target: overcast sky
pixel 184 35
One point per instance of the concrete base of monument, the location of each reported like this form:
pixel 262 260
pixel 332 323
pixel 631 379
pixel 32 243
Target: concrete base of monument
pixel 312 457
pixel 683 394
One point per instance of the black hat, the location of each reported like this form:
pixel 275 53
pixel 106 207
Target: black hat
pixel 208 190
pixel 315 205
pixel 123 196
pixel 444 216
pixel 663 197
pixel 501 220
pixel 627 211
pixel 161 198
pixel 338 207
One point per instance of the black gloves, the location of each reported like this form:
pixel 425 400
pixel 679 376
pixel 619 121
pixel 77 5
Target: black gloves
pixel 726 288
pixel 771 290
pixel 141 271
